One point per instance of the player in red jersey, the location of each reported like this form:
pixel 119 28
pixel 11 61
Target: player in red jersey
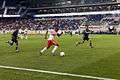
pixel 51 40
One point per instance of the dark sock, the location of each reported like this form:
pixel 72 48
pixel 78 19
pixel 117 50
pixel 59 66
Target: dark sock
pixel 16 48
pixel 91 44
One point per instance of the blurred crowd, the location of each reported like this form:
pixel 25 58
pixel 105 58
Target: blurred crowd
pixel 62 23
pixel 39 24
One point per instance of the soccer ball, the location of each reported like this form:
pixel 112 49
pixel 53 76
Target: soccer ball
pixel 62 54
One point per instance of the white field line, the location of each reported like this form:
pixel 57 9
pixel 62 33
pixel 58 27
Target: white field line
pixel 55 73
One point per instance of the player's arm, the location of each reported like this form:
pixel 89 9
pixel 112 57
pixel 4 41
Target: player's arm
pixel 59 34
pixel 46 34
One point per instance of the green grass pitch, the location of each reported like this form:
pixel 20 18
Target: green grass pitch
pixel 102 61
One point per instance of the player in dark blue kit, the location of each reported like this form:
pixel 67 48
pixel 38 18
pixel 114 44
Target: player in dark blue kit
pixel 86 33
pixel 14 39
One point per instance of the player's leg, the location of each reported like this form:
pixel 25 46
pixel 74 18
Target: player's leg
pixel 91 46
pixel 49 44
pixel 44 49
pixel 56 45
pixel 10 42
pixel 78 43
pixel 16 42
pixel 71 33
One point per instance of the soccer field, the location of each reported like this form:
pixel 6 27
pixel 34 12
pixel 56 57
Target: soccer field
pixel 101 61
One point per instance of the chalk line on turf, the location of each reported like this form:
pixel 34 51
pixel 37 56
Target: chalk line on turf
pixel 55 73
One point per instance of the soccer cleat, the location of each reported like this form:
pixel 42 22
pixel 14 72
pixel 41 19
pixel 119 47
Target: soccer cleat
pixel 17 50
pixel 40 52
pixel 91 46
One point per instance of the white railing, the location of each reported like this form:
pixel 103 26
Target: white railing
pixel 69 14
pixel 78 14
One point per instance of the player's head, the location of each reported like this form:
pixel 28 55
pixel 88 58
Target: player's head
pixel 86 27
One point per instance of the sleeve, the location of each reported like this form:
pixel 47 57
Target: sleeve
pixel 59 33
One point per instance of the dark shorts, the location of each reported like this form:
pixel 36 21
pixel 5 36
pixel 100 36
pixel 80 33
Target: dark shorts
pixel 14 40
pixel 85 38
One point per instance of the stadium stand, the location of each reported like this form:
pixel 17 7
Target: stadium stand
pixel 23 15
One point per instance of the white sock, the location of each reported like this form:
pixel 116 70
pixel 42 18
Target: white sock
pixel 43 49
pixel 54 49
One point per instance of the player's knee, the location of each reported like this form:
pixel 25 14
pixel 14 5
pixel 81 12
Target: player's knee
pixel 16 42
pixel 48 47
pixel 57 45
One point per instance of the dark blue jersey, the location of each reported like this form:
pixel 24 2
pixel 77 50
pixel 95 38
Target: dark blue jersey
pixel 15 33
pixel 86 33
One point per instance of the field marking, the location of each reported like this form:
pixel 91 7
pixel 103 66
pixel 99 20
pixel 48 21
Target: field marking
pixel 55 73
